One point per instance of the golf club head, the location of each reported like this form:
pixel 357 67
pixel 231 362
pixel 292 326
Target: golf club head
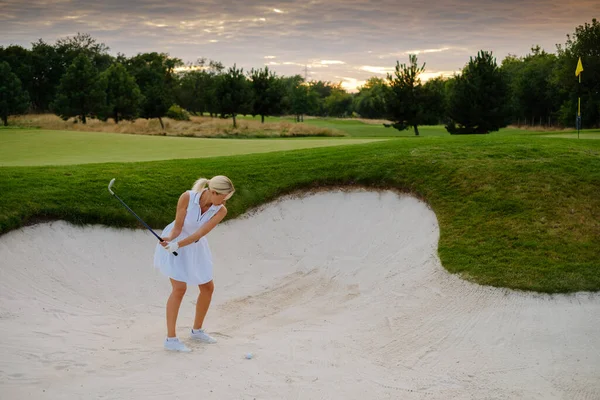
pixel 131 211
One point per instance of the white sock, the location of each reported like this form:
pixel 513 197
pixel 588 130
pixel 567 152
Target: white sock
pixel 171 339
pixel 196 330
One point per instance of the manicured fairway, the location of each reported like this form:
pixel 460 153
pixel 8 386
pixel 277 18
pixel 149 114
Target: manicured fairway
pixel 21 147
pixel 573 135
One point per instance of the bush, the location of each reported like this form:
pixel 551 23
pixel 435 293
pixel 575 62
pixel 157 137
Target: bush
pixel 177 113
pixel 477 102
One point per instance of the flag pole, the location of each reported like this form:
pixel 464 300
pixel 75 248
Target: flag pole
pixel 578 72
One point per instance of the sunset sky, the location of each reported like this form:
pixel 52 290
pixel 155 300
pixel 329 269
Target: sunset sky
pixel 347 41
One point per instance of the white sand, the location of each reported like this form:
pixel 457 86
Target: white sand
pixel 339 295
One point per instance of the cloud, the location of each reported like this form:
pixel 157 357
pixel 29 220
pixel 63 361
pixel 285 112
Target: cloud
pixel 425 76
pixel 426 51
pixel 376 70
pixel 155 25
pixel 73 17
pixel 351 84
pixel 406 53
pixel 366 35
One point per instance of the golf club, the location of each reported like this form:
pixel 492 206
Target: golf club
pixel 131 211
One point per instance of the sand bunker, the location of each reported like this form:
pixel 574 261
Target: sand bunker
pixel 339 295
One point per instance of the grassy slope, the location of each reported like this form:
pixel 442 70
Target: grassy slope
pixel 24 147
pixel 359 128
pixel 519 211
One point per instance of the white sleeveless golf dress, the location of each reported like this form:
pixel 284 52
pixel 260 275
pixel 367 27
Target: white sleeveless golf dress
pixel 193 264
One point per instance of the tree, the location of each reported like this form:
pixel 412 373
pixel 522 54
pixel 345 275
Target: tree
pixel 299 99
pixel 267 93
pixel 123 96
pixel 289 83
pixel 81 92
pixel 512 69
pixel 154 74
pixel 47 69
pixel 41 68
pixel 233 93
pixel 70 47
pixel 195 91
pixel 215 70
pixel 532 96
pixel 13 99
pixel 584 43
pixel 477 100
pixel 20 62
pixel 434 101
pixel 338 103
pixel 300 95
pixel 536 93
pixel 404 99
pixel 190 91
pixel 318 91
pixel 370 100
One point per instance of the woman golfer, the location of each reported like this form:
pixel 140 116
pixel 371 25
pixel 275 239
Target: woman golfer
pixel 199 210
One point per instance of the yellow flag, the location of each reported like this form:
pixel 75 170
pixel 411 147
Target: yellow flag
pixel 579 67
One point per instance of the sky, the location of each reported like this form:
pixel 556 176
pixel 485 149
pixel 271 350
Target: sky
pixel 338 41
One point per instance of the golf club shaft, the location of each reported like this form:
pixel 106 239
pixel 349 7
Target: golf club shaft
pixel 139 219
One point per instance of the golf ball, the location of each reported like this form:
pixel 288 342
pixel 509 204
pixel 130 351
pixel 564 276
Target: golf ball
pixel 249 356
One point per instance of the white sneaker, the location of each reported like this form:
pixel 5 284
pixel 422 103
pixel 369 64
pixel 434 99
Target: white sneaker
pixel 202 336
pixel 174 344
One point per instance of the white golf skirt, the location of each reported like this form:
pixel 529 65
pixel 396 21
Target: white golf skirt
pixel 193 264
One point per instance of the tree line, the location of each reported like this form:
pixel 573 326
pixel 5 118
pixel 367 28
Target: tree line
pixel 77 78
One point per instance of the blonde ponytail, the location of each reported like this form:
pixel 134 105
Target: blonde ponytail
pixel 220 184
pixel 200 184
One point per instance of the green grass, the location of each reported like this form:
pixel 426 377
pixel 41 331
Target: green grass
pixel 358 128
pixel 362 129
pixel 516 211
pixel 25 147
pixel 587 134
